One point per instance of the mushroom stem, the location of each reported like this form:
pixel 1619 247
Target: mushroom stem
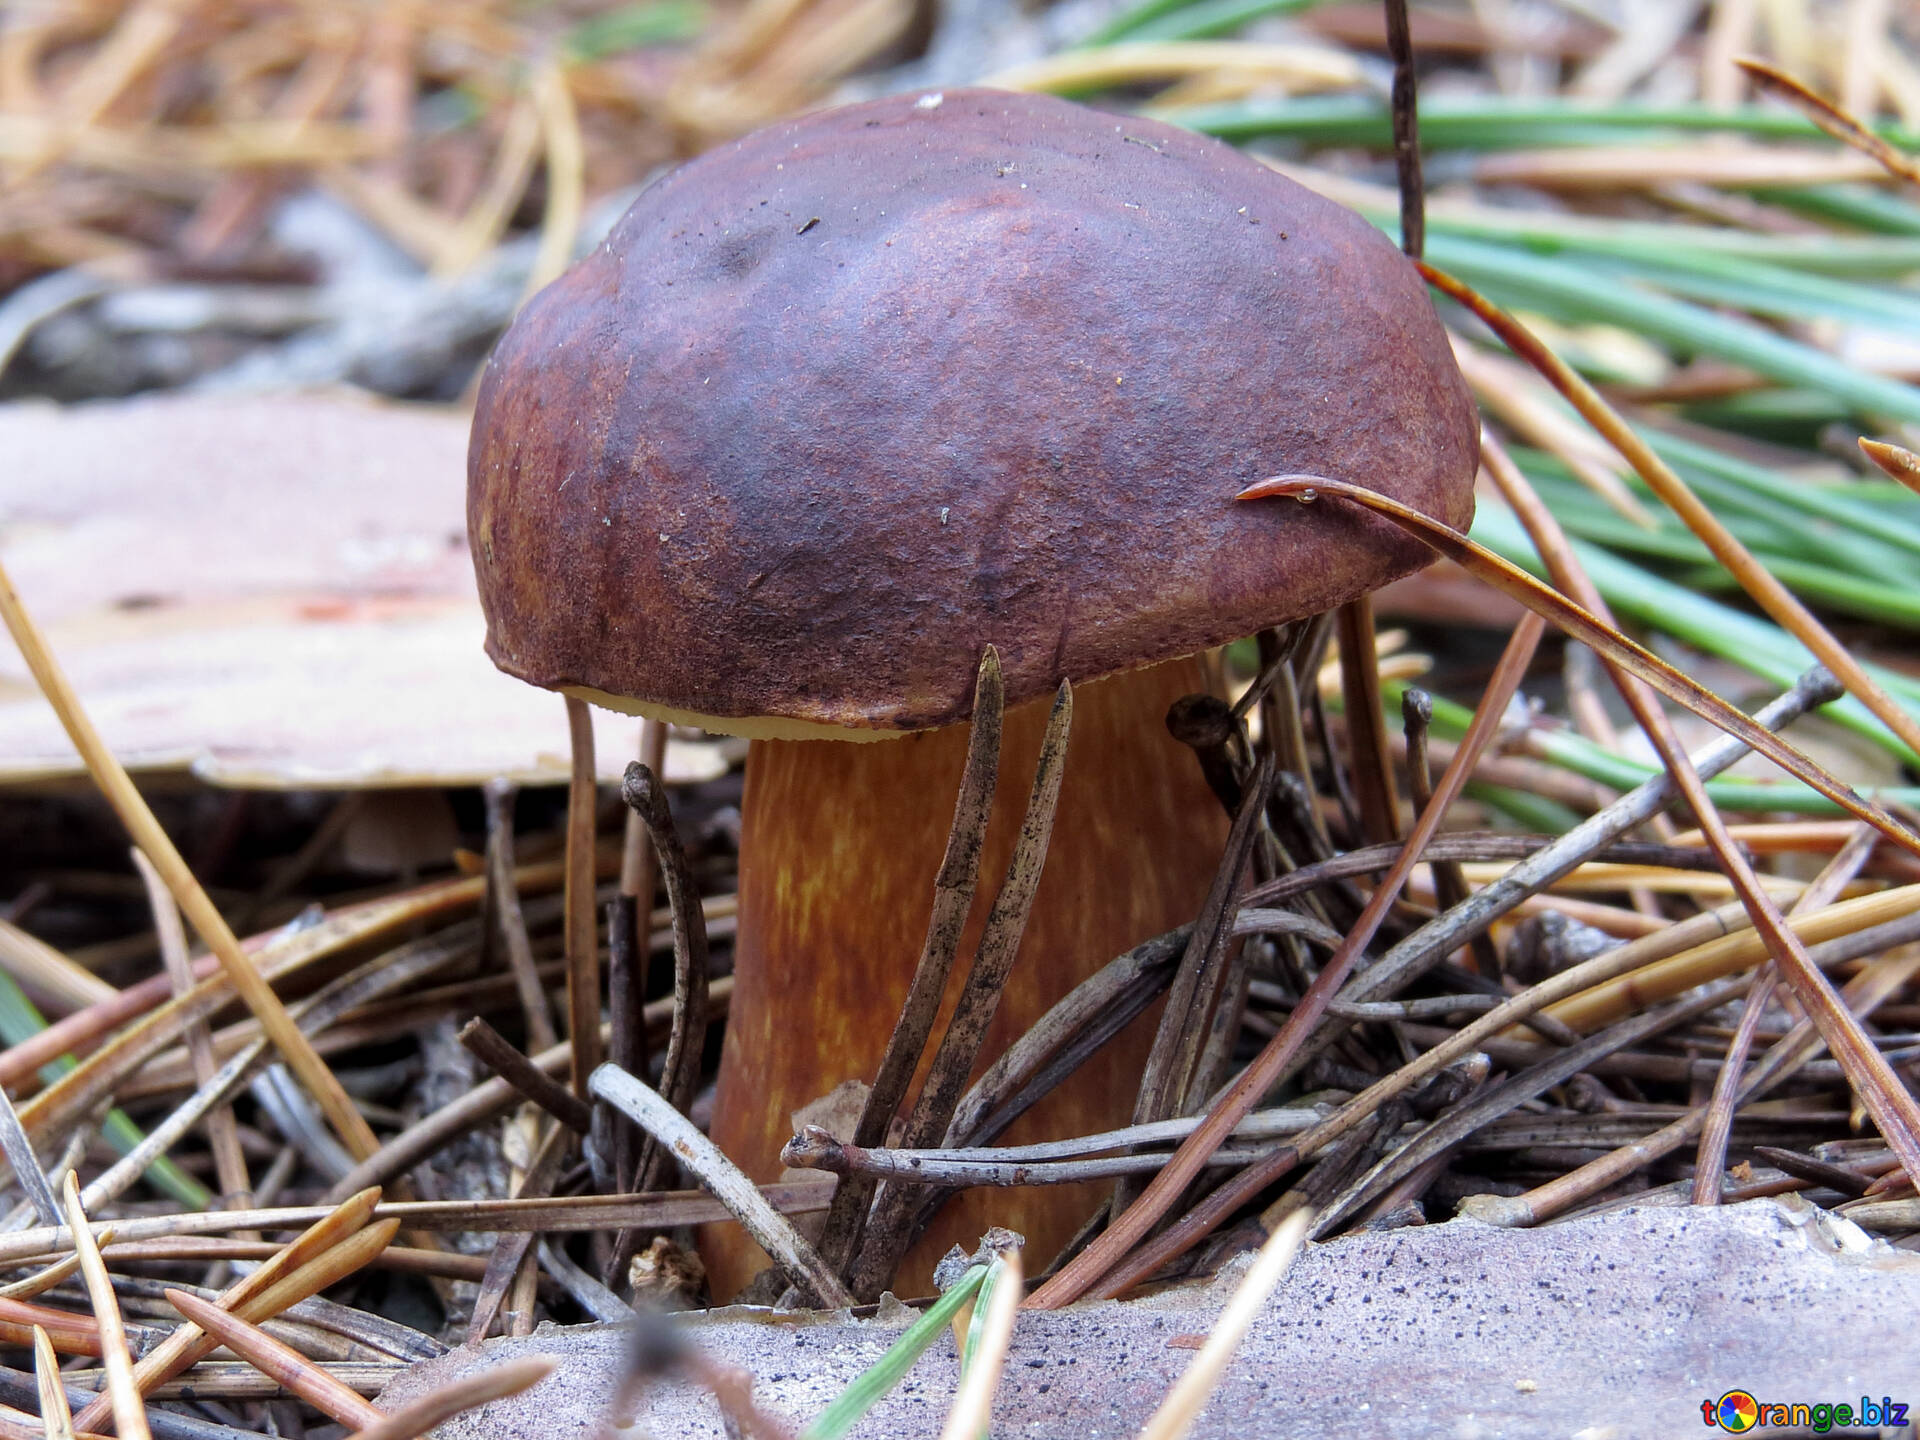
pixel 840 846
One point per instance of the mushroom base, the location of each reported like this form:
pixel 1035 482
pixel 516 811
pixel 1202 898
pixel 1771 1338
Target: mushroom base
pixel 839 848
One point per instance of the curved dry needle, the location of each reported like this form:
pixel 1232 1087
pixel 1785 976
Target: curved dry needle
pixel 496 1382
pixel 1510 579
pixel 1830 117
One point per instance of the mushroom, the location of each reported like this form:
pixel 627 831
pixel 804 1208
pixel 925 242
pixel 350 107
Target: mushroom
pixel 840 404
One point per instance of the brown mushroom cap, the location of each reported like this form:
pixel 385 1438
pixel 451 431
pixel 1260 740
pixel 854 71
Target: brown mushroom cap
pixel 839 404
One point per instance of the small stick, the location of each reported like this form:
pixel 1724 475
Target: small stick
pixel 1189 1395
pixel 437 1407
pixel 1406 131
pixel 279 1362
pixel 247 981
pixel 967 1420
pixel 1817 1172
pixel 816 1149
pixel 223 1135
pixel 499 1055
pixel 129 1411
pixel 680 1071
pixel 54 1414
pixel 1082 1020
pixel 953 892
pixel 888 1231
pixel 1261 1124
pixel 628 948
pixel 581 942
pixel 680 1137
pixel 593 1297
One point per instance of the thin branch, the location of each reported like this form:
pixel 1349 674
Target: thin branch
pixel 647 798
pixel 953 892
pixel 1081 1021
pixel 510 1250
pixel 816 1149
pixel 1370 761
pixel 679 1136
pixel 888 1233
pixel 509 921
pixel 223 1135
pixel 499 1055
pixel 1406 131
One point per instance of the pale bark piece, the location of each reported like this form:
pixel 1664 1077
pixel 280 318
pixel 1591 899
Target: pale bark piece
pixel 270 592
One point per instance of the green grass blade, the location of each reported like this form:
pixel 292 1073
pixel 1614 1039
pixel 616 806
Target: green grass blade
pixel 880 1377
pixel 20 1019
pixel 1495 122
